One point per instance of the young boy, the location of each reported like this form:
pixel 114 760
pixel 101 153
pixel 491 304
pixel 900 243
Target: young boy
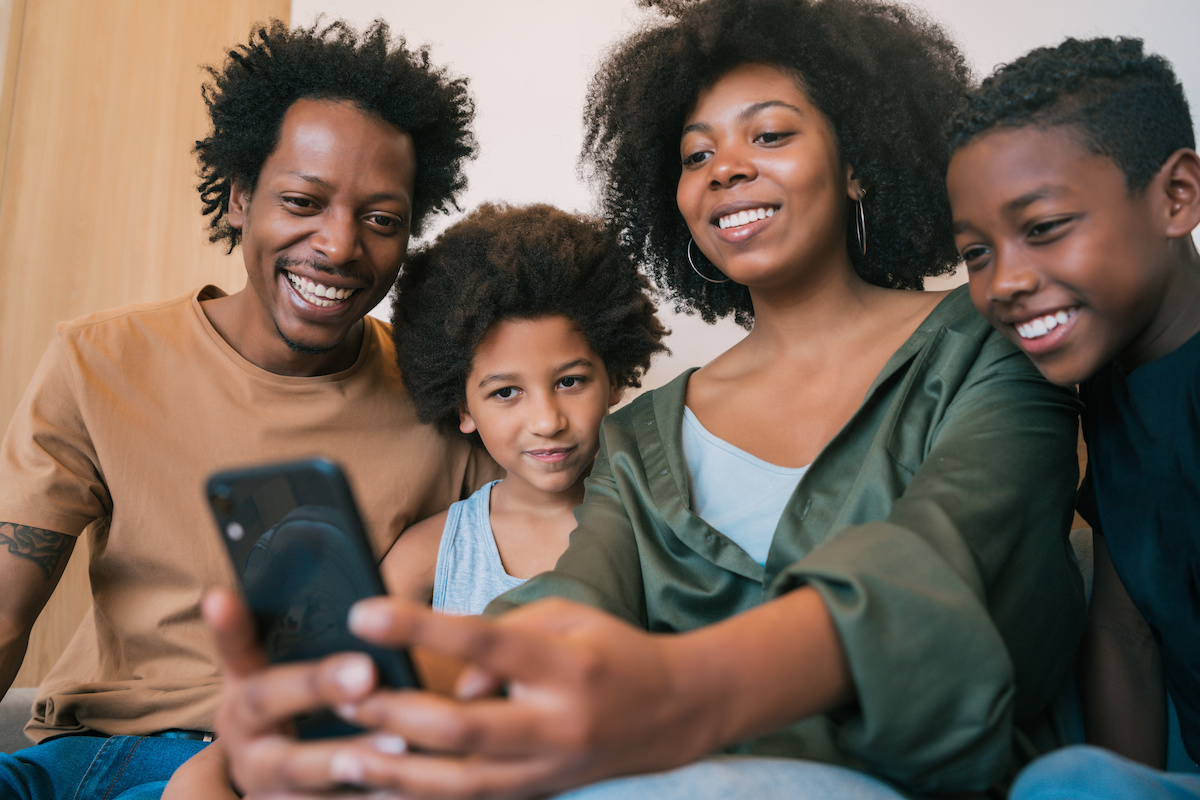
pixel 1075 187
pixel 519 328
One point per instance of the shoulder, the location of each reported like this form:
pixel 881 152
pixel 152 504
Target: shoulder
pixel 409 565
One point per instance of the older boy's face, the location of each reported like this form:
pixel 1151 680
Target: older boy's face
pixel 1061 258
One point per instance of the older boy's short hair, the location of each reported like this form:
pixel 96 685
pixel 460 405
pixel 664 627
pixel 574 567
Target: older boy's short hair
pixel 249 95
pixel 503 263
pixel 1121 102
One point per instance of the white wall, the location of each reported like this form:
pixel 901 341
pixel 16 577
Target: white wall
pixel 529 62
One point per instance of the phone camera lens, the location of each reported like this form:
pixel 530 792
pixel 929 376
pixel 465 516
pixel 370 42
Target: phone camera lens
pixel 222 499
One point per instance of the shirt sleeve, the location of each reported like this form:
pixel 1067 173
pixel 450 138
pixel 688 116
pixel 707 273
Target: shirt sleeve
pixel 959 612
pixel 601 566
pixel 48 463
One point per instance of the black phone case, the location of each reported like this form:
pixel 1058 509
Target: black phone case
pixel 302 557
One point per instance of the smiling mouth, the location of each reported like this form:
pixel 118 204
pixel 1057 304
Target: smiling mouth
pixel 1040 326
pixel 318 293
pixel 550 456
pixel 744 217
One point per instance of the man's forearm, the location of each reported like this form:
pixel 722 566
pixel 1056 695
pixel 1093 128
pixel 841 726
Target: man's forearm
pixel 31 562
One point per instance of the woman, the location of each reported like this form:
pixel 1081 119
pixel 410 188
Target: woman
pixel 853 521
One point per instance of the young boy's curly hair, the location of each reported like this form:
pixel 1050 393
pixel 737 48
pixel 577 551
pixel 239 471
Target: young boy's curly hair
pixel 886 79
pixel 503 263
pixel 248 97
pixel 1120 102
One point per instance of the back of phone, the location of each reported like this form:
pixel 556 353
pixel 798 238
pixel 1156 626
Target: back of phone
pixel 302 557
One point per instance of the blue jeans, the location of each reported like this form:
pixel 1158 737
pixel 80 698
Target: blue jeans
pixel 94 768
pixel 725 777
pixel 1090 773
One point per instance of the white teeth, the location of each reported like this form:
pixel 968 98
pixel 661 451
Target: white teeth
pixel 743 217
pixel 318 293
pixel 1036 328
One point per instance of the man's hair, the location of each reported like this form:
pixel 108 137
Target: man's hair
pixel 886 79
pixel 1119 101
pixel 248 97
pixel 504 263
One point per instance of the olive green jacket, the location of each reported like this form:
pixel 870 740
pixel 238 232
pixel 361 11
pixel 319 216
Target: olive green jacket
pixel 934 525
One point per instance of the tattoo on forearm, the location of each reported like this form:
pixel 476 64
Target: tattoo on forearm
pixel 44 548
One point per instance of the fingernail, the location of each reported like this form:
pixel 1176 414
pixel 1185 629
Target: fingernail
pixel 347 711
pixel 355 674
pixel 389 743
pixel 346 768
pixel 368 618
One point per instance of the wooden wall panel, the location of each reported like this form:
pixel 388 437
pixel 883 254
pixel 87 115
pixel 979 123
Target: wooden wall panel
pixel 98 206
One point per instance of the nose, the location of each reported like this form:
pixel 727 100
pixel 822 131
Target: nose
pixel 1011 278
pixel 546 417
pixel 730 165
pixel 337 237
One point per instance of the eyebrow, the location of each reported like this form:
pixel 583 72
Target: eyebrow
pixel 508 377
pixel 329 187
pixel 1020 203
pixel 744 115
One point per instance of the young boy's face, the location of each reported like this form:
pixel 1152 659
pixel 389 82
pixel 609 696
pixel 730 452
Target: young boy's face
pixel 536 394
pixel 1061 258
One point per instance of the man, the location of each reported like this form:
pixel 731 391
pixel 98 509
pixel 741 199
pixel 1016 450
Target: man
pixel 327 150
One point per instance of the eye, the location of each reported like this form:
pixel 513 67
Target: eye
pixel 299 204
pixel 505 393
pixel 1047 228
pixel 975 256
pixel 385 223
pixel 571 381
pixel 698 157
pixel 772 137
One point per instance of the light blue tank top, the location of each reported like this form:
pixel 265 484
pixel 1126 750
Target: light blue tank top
pixel 737 493
pixel 469 572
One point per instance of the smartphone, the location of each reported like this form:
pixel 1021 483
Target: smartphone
pixel 303 558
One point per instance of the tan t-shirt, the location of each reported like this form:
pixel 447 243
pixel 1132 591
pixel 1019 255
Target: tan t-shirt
pixel 128 414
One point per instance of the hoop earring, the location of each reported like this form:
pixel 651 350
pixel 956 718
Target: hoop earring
pixel 693 263
pixel 860 222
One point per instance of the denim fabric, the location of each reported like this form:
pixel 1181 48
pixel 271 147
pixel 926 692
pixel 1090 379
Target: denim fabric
pixel 728 777
pixel 1090 773
pixel 94 768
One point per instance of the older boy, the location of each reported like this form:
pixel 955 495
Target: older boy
pixel 327 149
pixel 1075 187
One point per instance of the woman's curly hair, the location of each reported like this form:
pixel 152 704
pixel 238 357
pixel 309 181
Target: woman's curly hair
pixel 249 96
pixel 1123 103
pixel 502 263
pixel 886 79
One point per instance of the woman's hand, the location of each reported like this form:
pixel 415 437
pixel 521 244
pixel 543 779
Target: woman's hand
pixel 588 697
pixel 258 702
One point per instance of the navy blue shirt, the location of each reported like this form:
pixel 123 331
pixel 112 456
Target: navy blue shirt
pixel 1142 492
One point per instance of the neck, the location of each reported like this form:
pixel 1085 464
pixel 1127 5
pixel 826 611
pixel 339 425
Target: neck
pixel 814 314
pixel 1178 316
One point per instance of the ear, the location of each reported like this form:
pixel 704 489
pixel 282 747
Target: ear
pixel 855 188
pixel 614 394
pixel 239 205
pixel 466 423
pixel 1181 176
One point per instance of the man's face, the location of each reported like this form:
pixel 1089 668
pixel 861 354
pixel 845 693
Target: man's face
pixel 323 233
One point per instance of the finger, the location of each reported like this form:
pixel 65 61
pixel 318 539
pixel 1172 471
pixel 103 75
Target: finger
pixel 427 722
pixel 262 701
pixel 437 776
pixel 510 652
pixel 278 766
pixel 233 633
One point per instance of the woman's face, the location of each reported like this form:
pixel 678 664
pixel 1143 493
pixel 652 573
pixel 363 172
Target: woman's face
pixel 763 188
